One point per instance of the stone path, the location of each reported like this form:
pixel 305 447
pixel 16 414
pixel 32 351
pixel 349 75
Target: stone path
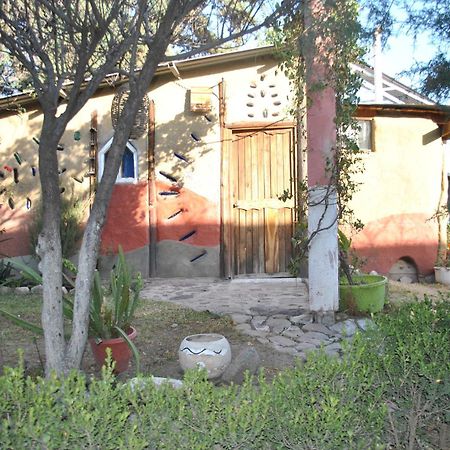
pixel 274 311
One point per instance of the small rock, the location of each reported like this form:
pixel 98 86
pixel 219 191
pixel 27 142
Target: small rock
pixel 259 325
pixel 238 318
pixel 23 290
pixel 263 340
pixel 373 272
pixel 247 360
pixel 6 290
pixel 301 319
pixel 64 290
pixel 364 324
pixel 38 289
pixel 348 327
pixel 174 325
pixel 318 327
pixel 282 341
pixel 278 325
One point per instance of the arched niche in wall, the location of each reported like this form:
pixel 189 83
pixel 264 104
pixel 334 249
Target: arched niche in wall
pixel 128 172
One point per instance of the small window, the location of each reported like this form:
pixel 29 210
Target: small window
pixel 128 172
pixel 365 135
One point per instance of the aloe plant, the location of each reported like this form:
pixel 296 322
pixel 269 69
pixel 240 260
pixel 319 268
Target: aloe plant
pixel 111 309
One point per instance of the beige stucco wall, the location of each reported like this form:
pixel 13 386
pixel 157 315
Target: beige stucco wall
pixel 401 190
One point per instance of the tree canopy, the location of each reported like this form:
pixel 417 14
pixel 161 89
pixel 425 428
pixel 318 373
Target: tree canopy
pixel 415 18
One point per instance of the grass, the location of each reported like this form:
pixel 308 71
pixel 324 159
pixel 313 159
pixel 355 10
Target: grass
pixel 161 327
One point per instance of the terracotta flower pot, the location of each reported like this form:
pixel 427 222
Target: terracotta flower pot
pixel 120 351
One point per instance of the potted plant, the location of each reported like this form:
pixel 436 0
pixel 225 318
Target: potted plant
pixel 442 268
pixel 111 313
pixel 358 292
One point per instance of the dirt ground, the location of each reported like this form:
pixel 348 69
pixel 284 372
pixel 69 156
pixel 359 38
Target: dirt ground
pixel 161 328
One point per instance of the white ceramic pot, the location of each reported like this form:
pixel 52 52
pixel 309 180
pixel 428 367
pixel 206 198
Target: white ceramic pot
pixel 442 275
pixel 209 351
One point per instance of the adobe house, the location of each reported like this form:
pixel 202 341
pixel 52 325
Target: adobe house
pixel 198 191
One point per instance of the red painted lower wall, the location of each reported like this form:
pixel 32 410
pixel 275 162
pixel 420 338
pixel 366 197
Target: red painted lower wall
pixel 385 241
pixel 127 220
pixel 180 215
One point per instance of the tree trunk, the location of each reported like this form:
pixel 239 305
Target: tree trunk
pixel 49 247
pixel 91 238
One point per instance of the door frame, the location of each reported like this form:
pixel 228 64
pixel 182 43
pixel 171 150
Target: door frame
pixel 226 213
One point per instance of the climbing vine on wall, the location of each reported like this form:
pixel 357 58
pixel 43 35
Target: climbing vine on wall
pixel 338 26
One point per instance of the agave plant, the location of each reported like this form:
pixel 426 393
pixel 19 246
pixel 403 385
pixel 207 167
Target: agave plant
pixel 111 309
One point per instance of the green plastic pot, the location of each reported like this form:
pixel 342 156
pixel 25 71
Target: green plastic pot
pixel 366 295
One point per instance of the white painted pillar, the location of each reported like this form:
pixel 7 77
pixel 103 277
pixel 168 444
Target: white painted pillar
pixel 323 251
pixel 321 144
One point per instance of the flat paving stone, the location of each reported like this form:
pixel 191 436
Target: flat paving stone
pixel 347 327
pixel 301 319
pixel 319 328
pixel 315 335
pixel 283 341
pixel 305 346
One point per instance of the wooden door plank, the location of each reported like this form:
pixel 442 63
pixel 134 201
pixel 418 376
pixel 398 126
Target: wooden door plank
pixel 248 167
pixel 280 146
pixel 241 253
pixel 271 240
pixel 260 194
pixel 254 197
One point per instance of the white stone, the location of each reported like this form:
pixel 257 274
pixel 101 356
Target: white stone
pixel 38 289
pixel 64 290
pixel 23 290
pixel 373 272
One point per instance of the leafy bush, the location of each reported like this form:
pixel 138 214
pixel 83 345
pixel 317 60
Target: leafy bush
pixel 72 215
pixel 361 401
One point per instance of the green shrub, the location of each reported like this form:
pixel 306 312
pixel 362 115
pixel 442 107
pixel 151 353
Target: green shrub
pixel 385 385
pixel 71 230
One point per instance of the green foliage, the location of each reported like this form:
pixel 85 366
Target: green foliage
pixel 111 309
pixel 115 306
pixel 390 389
pixel 72 215
pixel 430 19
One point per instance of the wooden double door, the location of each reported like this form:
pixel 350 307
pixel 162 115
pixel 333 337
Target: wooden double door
pixel 258 170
